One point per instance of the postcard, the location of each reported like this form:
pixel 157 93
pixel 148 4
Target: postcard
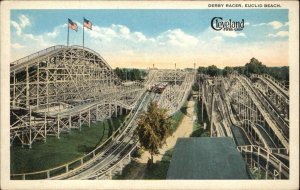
pixel 149 95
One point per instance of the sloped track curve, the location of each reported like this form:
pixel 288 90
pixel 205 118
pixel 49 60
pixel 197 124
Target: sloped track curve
pixel 58 79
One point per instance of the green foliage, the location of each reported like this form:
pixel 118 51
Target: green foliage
pixel 128 170
pixel 202 70
pixel 177 117
pixel 137 153
pixel 198 130
pixel 153 128
pixel 240 69
pixel 227 71
pixel 159 170
pixel 213 71
pixel 130 74
pixel 253 67
pixel 55 152
pixel 279 73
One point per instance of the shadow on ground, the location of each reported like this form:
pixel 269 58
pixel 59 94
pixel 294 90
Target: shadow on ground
pixel 137 170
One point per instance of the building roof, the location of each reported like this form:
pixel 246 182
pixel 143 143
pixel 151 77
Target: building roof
pixel 207 158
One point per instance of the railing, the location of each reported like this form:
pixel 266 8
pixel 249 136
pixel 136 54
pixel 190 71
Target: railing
pixel 276 82
pixel 260 136
pixel 68 165
pixel 51 105
pixel 261 94
pixel 252 93
pixel 115 151
pixel 39 53
pixel 16 63
pixel 94 52
pixel 115 165
pixel 81 160
pixel 275 88
pixel 268 105
pixel 280 170
pixel 280 151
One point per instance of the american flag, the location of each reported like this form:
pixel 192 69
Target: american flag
pixel 72 25
pixel 87 24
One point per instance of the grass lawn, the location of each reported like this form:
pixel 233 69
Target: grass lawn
pixel 198 130
pixel 159 169
pixel 56 151
pixel 177 117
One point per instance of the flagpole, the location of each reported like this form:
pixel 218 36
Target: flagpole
pixel 83 34
pixel 68 33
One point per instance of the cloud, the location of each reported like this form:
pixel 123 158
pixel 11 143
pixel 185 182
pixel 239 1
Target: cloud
pixel 17 27
pixel 56 31
pixel 24 21
pixel 121 46
pixel 177 37
pixel 140 37
pixel 120 33
pixel 260 24
pixel 24 43
pixel 16 46
pixel 275 24
pixel 279 34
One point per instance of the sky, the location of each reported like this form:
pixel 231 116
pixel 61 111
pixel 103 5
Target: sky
pixel 137 38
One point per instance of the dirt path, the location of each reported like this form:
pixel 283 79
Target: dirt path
pixel 184 130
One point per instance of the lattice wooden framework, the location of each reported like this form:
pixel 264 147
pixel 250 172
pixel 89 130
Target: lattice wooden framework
pixel 61 88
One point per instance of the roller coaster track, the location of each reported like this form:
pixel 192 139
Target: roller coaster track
pixel 99 154
pixel 266 136
pixel 284 90
pixel 174 96
pixel 26 61
pixel 261 132
pixel 232 121
pixel 230 117
pixel 255 98
pixel 274 112
pixel 111 155
pixel 274 85
pixel 280 118
pixel 265 158
pixel 247 125
pixel 61 88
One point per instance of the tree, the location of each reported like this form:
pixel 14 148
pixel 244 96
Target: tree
pixel 255 67
pixel 240 69
pixel 136 74
pixel 118 72
pixel 227 71
pixel 153 129
pixel 202 70
pixel 279 73
pixel 213 70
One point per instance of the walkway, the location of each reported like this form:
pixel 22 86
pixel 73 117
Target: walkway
pixel 184 129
